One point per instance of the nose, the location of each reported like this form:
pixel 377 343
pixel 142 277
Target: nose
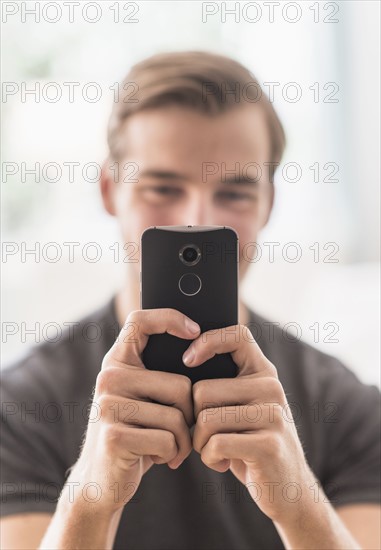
pixel 199 209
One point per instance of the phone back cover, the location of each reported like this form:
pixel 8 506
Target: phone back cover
pixel 214 306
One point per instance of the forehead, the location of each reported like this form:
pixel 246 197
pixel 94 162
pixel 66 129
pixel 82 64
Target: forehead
pixel 186 138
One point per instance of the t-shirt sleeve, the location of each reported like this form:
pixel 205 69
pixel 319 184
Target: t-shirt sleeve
pixel 32 472
pixel 352 438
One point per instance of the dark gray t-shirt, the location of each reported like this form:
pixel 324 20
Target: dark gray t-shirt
pixel 45 401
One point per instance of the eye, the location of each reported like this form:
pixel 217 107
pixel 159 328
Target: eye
pixel 235 196
pixel 165 190
pixel 159 195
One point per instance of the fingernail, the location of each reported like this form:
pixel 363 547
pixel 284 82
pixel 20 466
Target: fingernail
pixel 191 325
pixel 188 355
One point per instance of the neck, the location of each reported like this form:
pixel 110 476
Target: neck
pixel 128 299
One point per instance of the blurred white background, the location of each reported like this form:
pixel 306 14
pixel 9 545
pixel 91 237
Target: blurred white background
pixel 312 52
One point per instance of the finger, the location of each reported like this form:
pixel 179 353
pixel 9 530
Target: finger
pixel 140 324
pixel 248 447
pixel 235 339
pixel 236 391
pixel 234 419
pixel 142 384
pixel 129 444
pixel 149 415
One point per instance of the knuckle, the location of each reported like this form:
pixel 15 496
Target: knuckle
pixel 111 438
pixel 106 361
pixel 196 443
pixel 169 443
pixel 105 378
pixel 275 387
pixel 185 384
pixel 215 443
pixel 104 403
pixel 101 382
pixel 177 418
pixel 278 418
pixel 272 370
pixel 135 316
pixel 207 417
pixel 182 387
pixel 200 391
pixel 244 332
pixel 200 420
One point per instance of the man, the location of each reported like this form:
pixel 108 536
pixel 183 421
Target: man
pixel 164 464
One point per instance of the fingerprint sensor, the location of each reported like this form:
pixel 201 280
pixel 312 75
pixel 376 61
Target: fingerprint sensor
pixel 190 284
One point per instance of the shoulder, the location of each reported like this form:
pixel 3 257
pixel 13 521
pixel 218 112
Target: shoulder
pixel 69 362
pixel 304 368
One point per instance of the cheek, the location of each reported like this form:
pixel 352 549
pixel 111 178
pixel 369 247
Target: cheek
pixel 247 247
pixel 129 217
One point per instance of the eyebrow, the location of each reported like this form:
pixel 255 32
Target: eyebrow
pixel 163 175
pixel 238 179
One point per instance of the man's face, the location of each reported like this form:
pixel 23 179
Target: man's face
pixel 188 164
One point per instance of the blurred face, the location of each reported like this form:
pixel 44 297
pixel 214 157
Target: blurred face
pixel 191 169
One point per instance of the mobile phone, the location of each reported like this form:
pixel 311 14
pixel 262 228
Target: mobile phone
pixel 193 269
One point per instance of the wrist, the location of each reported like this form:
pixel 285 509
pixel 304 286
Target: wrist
pixel 80 523
pixel 81 507
pixel 87 499
pixel 314 523
pixel 310 504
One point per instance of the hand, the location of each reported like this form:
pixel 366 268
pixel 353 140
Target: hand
pixel 245 424
pixel 144 415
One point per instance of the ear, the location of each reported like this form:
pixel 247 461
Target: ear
pixel 107 187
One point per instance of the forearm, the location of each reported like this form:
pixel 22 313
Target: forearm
pixel 80 525
pixel 317 526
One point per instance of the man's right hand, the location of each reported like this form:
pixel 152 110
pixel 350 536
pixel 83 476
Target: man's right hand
pixel 141 416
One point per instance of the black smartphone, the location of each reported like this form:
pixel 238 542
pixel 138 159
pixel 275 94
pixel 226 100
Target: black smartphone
pixel 193 269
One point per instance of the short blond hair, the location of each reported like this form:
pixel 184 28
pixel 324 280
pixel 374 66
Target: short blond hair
pixel 193 79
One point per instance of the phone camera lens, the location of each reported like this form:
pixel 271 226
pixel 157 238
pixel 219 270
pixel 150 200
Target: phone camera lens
pixel 190 254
